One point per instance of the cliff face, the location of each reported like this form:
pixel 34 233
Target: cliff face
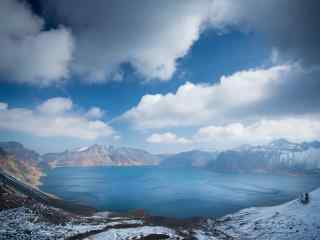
pixel 25 169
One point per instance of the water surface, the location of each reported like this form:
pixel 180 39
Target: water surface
pixel 173 192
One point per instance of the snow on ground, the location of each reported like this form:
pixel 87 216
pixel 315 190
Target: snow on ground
pixel 202 235
pixel 134 233
pixel 290 221
pixel 23 223
pixel 293 220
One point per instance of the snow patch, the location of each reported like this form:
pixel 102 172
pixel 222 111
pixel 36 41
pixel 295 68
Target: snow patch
pixel 131 233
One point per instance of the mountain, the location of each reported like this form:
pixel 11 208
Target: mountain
pixel 195 158
pixel 277 156
pixel 100 155
pixel 25 169
pixel 21 153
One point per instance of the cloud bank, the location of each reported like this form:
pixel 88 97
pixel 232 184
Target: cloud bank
pixel 197 104
pixel 94 39
pixel 55 117
pixel 152 36
pixel 252 106
pixel 260 132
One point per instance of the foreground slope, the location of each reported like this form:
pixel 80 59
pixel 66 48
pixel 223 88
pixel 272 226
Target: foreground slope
pixel 293 220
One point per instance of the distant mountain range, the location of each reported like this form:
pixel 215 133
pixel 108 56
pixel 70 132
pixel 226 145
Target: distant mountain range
pixel 195 158
pixel 100 155
pixel 277 156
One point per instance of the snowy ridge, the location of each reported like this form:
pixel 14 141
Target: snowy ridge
pixel 277 156
pixel 293 220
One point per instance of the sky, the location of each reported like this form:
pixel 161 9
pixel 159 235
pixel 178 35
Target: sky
pixel 165 76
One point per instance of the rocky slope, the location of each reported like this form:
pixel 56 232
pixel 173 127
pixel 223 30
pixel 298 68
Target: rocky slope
pixel 100 155
pixel 20 162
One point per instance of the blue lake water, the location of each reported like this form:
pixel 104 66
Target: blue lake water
pixel 173 192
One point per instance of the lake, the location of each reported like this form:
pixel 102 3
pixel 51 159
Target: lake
pixel 173 192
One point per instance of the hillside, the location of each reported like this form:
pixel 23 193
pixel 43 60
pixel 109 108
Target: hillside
pixel 293 220
pixel 22 165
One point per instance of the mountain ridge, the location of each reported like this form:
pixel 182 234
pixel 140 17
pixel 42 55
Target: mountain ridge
pixel 278 156
pixel 101 155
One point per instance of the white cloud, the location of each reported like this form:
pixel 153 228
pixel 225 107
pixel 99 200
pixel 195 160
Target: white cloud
pixel 53 118
pixel 55 106
pixel 260 132
pixel 197 104
pixel 149 36
pixel 28 53
pixel 95 113
pixel 167 138
pixel 107 34
pixel 3 106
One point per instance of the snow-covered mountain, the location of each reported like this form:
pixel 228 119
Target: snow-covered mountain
pixel 100 155
pixel 279 155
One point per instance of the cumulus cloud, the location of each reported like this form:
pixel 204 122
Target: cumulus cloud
pixel 29 53
pixel 3 106
pixel 95 113
pixel 55 106
pixel 150 36
pixel 196 104
pixel 284 90
pixel 260 132
pixel 53 118
pixel 167 138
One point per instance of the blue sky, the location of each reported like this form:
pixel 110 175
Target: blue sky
pixel 178 59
